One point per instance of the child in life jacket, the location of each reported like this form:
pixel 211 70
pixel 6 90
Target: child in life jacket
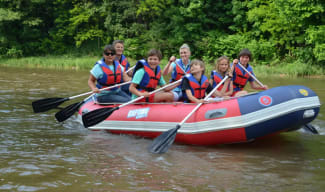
pixel 241 77
pixel 222 68
pixel 147 76
pixel 195 85
pixel 178 68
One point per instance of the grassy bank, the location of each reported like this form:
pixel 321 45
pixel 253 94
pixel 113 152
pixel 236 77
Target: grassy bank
pixel 293 69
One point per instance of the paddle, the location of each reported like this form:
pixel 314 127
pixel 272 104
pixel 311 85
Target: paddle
pixel 68 111
pixel 46 104
pixel 261 84
pixel 310 128
pixel 94 117
pixel 163 141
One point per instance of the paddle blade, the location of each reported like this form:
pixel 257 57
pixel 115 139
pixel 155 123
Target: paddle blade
pixel 310 128
pixel 43 105
pixel 162 143
pixel 67 112
pixel 94 117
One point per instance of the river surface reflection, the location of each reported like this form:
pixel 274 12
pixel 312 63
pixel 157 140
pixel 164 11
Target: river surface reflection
pixel 39 154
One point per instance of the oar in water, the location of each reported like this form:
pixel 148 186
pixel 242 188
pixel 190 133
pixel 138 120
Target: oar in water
pixel 94 117
pixel 68 111
pixel 46 104
pixel 310 128
pixel 163 141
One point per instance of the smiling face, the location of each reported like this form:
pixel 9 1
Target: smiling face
pixel 244 59
pixel 184 54
pixel 153 61
pixel 109 56
pixel 119 48
pixel 223 65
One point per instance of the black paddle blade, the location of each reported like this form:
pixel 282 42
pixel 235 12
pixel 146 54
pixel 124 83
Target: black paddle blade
pixel 43 105
pixel 94 117
pixel 310 128
pixel 162 143
pixel 67 112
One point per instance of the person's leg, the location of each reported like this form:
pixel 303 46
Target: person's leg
pixel 240 93
pixel 118 97
pixel 164 97
pixel 107 98
pixel 123 97
pixel 177 95
pixel 125 88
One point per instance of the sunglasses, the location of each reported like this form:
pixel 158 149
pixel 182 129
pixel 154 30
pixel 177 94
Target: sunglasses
pixel 109 53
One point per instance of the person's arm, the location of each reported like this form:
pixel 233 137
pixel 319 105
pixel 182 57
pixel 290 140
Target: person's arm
pixel 126 77
pixel 92 84
pixel 95 73
pixel 215 94
pixel 169 68
pixel 224 88
pixel 136 92
pixel 137 78
pixel 255 86
pixel 186 87
pixel 231 88
pixel 190 97
pixel 228 85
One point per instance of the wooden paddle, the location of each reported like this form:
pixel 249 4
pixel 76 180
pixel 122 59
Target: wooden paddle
pixel 46 104
pixel 94 117
pixel 163 141
pixel 308 127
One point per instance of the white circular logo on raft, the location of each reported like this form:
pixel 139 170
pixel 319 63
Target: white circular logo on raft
pixel 303 92
pixel 265 100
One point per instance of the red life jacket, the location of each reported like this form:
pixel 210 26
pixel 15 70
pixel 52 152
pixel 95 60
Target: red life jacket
pixel 150 78
pixel 240 79
pixel 124 62
pixel 109 77
pixel 217 78
pixel 198 89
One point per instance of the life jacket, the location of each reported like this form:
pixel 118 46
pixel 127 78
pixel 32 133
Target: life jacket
pixel 179 71
pixel 217 78
pixel 124 62
pixel 109 77
pixel 241 79
pixel 198 89
pixel 150 78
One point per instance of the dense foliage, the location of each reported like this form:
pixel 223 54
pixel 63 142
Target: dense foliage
pixel 276 31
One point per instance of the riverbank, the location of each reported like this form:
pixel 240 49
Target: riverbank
pixel 295 69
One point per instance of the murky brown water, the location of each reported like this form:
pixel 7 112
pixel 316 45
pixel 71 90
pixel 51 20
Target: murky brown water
pixel 39 154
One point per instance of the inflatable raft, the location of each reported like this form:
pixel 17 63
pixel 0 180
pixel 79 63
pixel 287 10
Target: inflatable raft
pixel 241 119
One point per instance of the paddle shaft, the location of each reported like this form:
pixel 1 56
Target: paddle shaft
pixel 155 91
pixel 206 97
pixel 110 87
pixel 261 84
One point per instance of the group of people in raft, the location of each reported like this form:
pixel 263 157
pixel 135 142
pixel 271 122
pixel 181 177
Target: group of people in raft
pixel 114 68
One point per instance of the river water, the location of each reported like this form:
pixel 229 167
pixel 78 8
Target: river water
pixel 39 154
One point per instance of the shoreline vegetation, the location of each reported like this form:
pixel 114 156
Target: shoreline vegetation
pixel 295 69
